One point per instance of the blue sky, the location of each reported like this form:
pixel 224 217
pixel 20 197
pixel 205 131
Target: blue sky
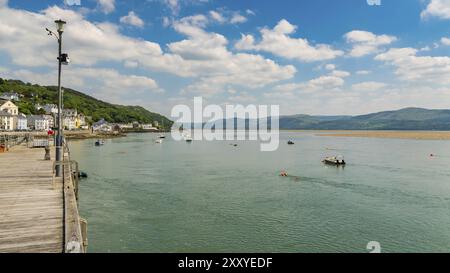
pixel 313 57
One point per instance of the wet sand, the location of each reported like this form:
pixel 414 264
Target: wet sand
pixel 420 135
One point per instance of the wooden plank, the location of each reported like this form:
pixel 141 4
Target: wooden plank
pixel 31 210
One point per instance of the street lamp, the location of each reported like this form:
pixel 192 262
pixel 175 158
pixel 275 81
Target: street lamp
pixel 62 59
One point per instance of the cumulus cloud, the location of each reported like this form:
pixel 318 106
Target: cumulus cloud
pixel 107 6
pixel 363 72
pixel 421 69
pixel 330 82
pixel 132 19
pixel 368 86
pixel 217 16
pixel 175 5
pixel 202 56
pixel 278 42
pixel 330 67
pixel 365 43
pixel 238 19
pixel 208 52
pixel 224 16
pixel 445 41
pixel 107 84
pixel 437 8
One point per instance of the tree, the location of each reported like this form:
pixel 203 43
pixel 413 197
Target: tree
pixel 2 81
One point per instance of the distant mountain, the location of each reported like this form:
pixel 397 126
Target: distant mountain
pixel 32 94
pixel 404 119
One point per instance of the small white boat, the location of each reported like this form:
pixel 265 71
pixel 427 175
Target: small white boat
pixel 161 136
pixel 187 137
pixel 335 160
pixel 158 141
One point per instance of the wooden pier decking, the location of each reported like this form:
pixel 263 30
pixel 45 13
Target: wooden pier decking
pixel 31 203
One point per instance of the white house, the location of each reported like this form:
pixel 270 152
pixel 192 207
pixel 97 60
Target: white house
pixel 148 127
pixel 70 119
pixel 39 122
pixel 49 109
pixel 126 126
pixel 69 123
pixel 102 126
pixel 7 121
pixel 10 96
pixel 51 120
pixel 9 107
pixel 22 122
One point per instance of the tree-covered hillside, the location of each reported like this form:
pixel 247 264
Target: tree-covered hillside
pixel 35 94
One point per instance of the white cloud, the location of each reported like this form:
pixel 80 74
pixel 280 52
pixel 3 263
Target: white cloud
pixel 340 73
pixel 250 12
pixel 332 81
pixel 278 42
pixel 107 84
pixel 217 16
pixel 368 86
pixel 238 19
pixel 445 41
pixel 363 72
pixel 437 8
pixel 330 67
pixel 223 16
pixel 132 19
pixel 365 43
pixel 202 56
pixel 420 69
pixel 3 3
pixel 107 6
pixel 175 5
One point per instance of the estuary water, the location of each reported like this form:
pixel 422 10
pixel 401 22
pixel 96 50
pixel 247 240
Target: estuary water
pixel 213 197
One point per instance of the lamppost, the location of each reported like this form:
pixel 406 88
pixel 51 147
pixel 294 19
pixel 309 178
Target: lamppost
pixel 62 59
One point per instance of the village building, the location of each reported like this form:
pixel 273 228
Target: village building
pixel 7 121
pixel 10 96
pixel 39 122
pixel 9 107
pixel 22 122
pixel 102 126
pixel 50 109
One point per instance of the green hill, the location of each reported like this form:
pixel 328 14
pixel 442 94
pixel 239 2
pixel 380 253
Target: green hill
pixel 35 94
pixel 404 119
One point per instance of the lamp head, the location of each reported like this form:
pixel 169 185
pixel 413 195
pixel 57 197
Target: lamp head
pixel 60 25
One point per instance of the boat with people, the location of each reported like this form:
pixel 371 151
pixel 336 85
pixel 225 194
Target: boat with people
pixel 290 142
pixel 159 141
pixel 335 160
pixel 99 142
pixel 187 137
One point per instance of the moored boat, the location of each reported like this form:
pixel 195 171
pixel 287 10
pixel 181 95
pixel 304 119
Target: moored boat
pixel 99 142
pixel 335 160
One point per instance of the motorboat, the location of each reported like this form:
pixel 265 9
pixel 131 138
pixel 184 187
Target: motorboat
pixel 335 160
pixel 159 141
pixel 290 142
pixel 187 137
pixel 99 142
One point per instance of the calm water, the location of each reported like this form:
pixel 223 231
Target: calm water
pixel 213 197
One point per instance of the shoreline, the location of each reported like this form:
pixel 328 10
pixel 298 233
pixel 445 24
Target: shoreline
pixel 394 134
pixel 414 135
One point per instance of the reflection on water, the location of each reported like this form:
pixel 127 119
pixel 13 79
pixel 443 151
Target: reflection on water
pixel 214 197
